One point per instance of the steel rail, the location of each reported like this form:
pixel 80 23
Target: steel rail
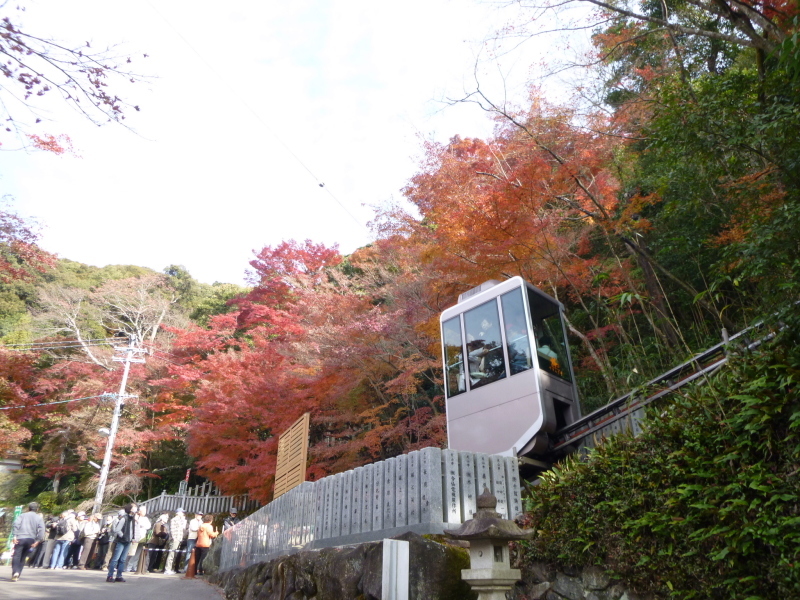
pixel 698 366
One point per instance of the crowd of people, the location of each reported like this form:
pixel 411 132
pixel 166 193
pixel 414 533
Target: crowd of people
pixel 126 542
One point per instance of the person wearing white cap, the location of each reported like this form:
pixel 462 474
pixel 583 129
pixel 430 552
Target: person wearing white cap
pixel 191 541
pixel 177 527
pixel 103 542
pixel 143 525
pixel 65 533
pixel 158 543
pixel 74 551
pixel 113 539
pixel 90 531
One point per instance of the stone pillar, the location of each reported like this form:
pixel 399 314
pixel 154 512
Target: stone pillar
pixel 394 580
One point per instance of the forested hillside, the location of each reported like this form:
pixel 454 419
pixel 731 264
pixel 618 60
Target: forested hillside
pixel 660 206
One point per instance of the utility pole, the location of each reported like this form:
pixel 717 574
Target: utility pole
pixel 130 355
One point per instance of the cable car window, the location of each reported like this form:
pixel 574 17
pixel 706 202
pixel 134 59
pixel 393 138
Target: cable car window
pixel 484 345
pixel 519 346
pixel 548 331
pixel 454 356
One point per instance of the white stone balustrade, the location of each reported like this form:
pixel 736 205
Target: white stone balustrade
pixel 425 491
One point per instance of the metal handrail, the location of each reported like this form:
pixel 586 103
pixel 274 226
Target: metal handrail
pixel 624 405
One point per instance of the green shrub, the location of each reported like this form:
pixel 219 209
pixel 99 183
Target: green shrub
pixel 48 502
pixel 704 504
pixel 14 487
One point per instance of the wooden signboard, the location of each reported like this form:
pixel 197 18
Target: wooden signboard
pixel 292 456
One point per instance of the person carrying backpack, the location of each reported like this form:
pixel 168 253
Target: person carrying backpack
pixel 157 543
pixel 74 551
pixel 112 539
pixel 123 532
pixel 50 530
pixel 65 534
pixel 103 541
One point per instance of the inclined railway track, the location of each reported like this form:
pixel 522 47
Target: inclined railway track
pixel 618 414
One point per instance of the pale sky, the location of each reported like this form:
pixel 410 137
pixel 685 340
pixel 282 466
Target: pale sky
pixel 349 86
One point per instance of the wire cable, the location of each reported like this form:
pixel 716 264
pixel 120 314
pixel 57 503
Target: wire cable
pixel 258 117
pixel 105 340
pixel 56 402
pixel 64 347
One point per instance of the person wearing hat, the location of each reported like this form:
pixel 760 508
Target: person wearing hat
pixel 74 551
pixel 27 532
pixel 191 540
pixel 113 539
pixel 124 531
pixel 158 542
pixel 177 527
pixel 103 543
pixel 90 531
pixel 67 527
pixel 139 541
pixel 231 520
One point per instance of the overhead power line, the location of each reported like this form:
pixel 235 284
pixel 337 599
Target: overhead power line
pixel 258 117
pixel 57 346
pixel 107 396
pixel 56 343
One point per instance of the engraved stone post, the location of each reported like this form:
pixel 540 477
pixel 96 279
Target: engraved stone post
pixel 319 509
pixel 452 487
pixel 357 500
pixel 377 496
pixel 366 499
pixel 336 510
pixel 413 488
pixel 327 486
pixel 469 491
pixel 401 491
pixel 514 490
pixel 430 496
pixel 347 499
pixel 483 477
pixel 499 483
pixel 388 493
pixel 307 534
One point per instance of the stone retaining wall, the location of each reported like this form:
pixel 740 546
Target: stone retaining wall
pixel 542 582
pixel 347 573
pixel 354 573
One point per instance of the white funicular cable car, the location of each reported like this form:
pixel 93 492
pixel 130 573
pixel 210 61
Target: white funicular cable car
pixel 507 369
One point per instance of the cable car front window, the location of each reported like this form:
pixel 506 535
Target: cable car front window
pixel 551 348
pixel 454 355
pixel 519 346
pixel 484 345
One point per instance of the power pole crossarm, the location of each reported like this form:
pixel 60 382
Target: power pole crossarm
pixel 130 355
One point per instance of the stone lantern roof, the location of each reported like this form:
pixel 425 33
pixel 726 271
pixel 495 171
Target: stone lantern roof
pixel 488 524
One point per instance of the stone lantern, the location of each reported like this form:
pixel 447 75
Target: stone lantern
pixel 490 574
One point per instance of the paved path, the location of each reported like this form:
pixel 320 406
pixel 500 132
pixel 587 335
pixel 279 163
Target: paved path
pixel 47 584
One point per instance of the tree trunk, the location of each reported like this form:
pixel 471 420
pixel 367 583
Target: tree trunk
pixel 605 370
pixel 656 298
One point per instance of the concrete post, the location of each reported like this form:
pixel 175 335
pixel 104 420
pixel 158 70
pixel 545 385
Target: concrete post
pixel 394 582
